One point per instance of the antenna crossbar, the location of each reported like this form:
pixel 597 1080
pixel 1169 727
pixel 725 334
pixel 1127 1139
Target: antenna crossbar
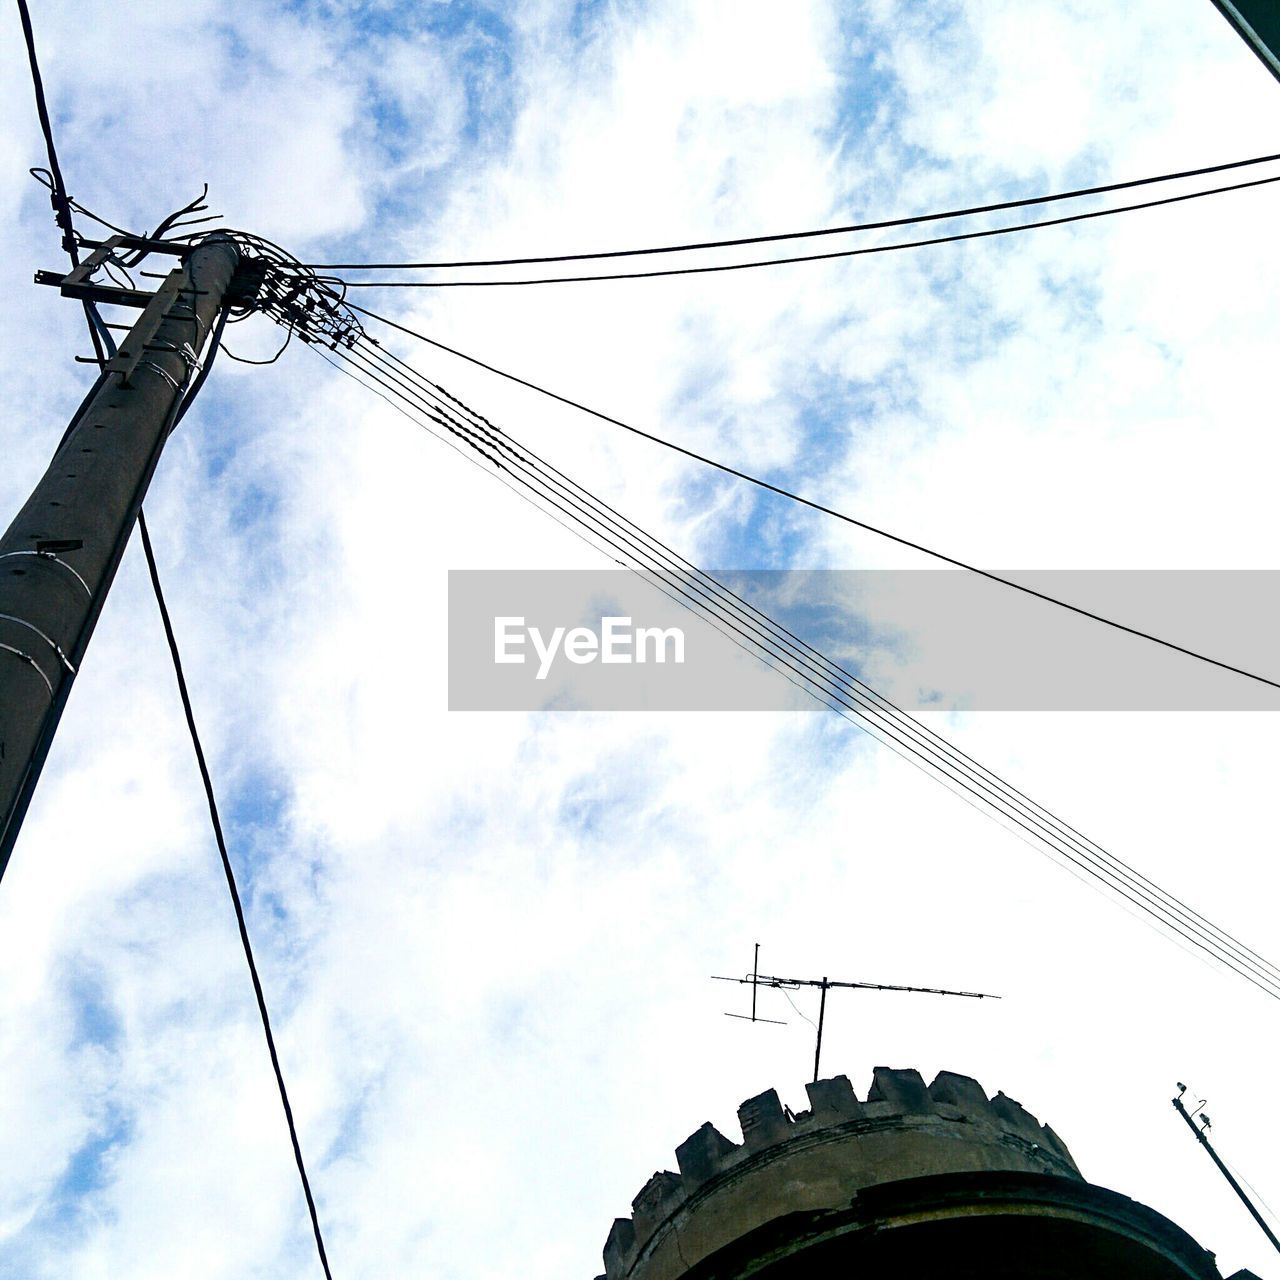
pixel 755 980
pixel 793 984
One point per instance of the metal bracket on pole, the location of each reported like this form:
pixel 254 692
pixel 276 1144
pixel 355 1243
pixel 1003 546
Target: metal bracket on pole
pixel 78 284
pixel 141 336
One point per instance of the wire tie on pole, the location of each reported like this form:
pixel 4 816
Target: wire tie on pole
pixel 49 555
pixel 53 644
pixel 30 661
pixel 201 327
pixel 164 373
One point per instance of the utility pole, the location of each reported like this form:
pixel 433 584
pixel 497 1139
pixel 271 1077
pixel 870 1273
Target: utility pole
pixel 60 555
pixel 1222 1168
pixel 1257 23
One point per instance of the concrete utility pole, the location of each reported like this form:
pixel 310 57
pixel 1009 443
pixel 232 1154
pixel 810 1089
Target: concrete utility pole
pixel 60 555
pixel 1257 22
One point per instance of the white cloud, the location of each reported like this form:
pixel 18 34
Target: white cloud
pixel 486 938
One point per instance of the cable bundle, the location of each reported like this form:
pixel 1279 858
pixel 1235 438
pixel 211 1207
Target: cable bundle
pixel 433 408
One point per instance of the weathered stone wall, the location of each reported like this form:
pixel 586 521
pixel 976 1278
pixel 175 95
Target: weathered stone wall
pixel 820 1159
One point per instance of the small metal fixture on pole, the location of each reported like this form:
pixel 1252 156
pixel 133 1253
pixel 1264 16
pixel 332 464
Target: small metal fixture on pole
pixel 756 979
pixel 1199 1131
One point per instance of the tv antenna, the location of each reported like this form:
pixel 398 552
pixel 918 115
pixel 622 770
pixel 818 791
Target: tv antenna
pixel 755 979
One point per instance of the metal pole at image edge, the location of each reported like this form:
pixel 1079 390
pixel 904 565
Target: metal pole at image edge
pixel 1226 1173
pixel 1257 23
pixel 59 556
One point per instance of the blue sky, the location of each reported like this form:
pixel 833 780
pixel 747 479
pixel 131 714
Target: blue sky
pixel 485 938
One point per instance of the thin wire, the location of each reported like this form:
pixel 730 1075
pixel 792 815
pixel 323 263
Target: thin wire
pixel 215 343
pixel 232 888
pixel 810 257
pixel 245 360
pixel 884 224
pixel 57 187
pixel 825 693
pixel 1047 840
pixel 1271 1213
pixel 825 510
pixel 745 609
pixel 488 441
pixel 786 995
pixel 46 179
pixel 1009 794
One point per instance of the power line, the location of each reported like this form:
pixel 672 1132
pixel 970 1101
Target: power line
pixel 179 413
pixel 57 186
pixel 1119 875
pixel 825 510
pixel 986 797
pixel 233 889
pixel 883 224
pixel 629 546
pixel 317 311
pixel 749 612
pixel 810 257
pixel 976 785
pixel 977 773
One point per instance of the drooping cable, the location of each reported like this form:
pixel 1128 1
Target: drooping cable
pixel 820 679
pixel 231 355
pixel 179 412
pixel 232 887
pixel 955 238
pixel 776 237
pixel 792 496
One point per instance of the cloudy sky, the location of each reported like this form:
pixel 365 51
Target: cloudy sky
pixel 485 937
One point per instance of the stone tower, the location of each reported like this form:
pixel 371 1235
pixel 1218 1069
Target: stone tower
pixel 928 1181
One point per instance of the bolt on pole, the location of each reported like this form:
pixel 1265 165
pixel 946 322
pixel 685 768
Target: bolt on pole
pixel 60 555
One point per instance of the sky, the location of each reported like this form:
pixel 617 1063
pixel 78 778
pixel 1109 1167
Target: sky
pixel 485 937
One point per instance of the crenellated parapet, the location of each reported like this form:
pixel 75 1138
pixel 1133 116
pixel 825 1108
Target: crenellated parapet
pixel 821 1158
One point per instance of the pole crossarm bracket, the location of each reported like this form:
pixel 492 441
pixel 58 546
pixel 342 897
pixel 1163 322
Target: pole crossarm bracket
pixel 79 283
pixel 242 292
